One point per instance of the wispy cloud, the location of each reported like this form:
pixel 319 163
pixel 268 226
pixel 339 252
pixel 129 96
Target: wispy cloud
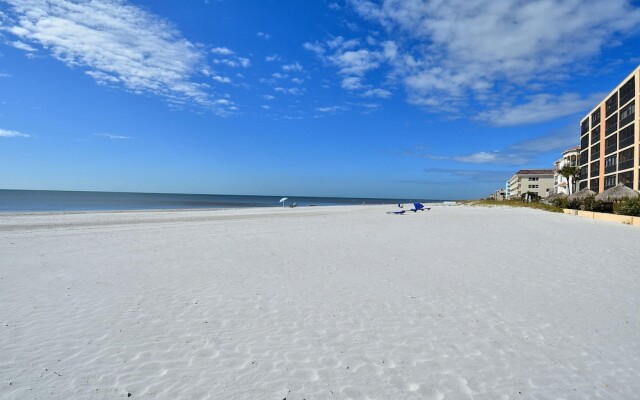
pixel 272 58
pixel 520 153
pixel 221 79
pixel 222 51
pixel 263 35
pixel 112 137
pixel 353 62
pixel 539 108
pixel 115 43
pixel 4 75
pixel 293 90
pixel 449 54
pixel 7 134
pixel 330 109
pixel 468 175
pixel 295 67
pixel 233 62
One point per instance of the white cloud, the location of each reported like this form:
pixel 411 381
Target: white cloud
pixel 295 67
pixel 23 46
pixel 457 49
pixel 496 157
pixel 6 134
pixel 263 35
pixel 278 75
pixel 221 79
pixel 4 75
pixel 294 90
pixel 330 109
pixel 112 137
pixel 520 153
pixel 382 93
pixel 272 58
pixel 539 108
pixel 354 63
pixel 115 43
pixel 233 62
pixel 316 48
pixel 297 80
pixel 222 51
pixel 268 97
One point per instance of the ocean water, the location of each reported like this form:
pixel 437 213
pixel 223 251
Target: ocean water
pixel 50 200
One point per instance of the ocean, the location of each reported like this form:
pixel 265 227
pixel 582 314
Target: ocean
pixel 51 200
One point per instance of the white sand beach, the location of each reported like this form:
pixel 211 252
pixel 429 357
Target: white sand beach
pixel 319 303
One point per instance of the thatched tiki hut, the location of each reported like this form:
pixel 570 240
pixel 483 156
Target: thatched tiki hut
pixel 586 192
pixel 549 199
pixel 617 193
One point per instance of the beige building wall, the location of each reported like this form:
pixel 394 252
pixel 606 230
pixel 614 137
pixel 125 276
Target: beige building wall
pixel 598 172
pixel 534 181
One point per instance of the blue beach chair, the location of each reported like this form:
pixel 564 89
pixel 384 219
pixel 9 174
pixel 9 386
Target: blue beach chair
pixel 419 207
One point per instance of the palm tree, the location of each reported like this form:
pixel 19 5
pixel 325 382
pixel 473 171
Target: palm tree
pixel 569 172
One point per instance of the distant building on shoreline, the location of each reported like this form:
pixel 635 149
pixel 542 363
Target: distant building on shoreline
pixel 610 139
pixel 538 181
pixel 571 158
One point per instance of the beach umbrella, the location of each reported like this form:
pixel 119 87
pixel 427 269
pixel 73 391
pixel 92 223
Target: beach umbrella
pixel 282 200
pixel 617 193
pixel 586 192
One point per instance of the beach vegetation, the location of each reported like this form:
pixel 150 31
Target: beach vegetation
pixel 628 207
pixel 514 203
pixel 590 203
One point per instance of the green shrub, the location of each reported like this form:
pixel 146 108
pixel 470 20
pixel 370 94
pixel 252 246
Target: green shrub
pixel 574 204
pixel 560 202
pixel 628 207
pixel 591 204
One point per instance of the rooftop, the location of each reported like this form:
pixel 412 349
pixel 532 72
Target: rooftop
pixel 535 172
pixel 569 150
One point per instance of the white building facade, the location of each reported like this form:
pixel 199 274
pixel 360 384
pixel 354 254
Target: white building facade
pixel 570 157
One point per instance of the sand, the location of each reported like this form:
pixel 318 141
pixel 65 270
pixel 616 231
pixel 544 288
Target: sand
pixel 319 303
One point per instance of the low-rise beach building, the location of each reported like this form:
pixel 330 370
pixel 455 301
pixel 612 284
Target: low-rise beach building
pixel 610 139
pixel 538 181
pixel 571 158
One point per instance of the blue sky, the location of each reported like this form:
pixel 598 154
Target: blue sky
pixel 398 99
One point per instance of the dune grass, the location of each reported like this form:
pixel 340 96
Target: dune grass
pixel 513 203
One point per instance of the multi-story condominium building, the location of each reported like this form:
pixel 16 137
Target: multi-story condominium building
pixel 610 139
pixel 538 181
pixel 570 157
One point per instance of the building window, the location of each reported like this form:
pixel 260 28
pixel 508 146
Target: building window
pixel 610 144
pixel 584 156
pixel 595 152
pixel 611 125
pixel 628 90
pixel 584 142
pixel 533 179
pixel 626 137
pixel 627 114
pixel 626 178
pixel 594 184
pixel 625 159
pixel 611 104
pixel 595 135
pixel 595 168
pixel 609 181
pixel 609 164
pixel 533 186
pixel 595 117
pixel 584 126
pixel 583 184
pixel 583 171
